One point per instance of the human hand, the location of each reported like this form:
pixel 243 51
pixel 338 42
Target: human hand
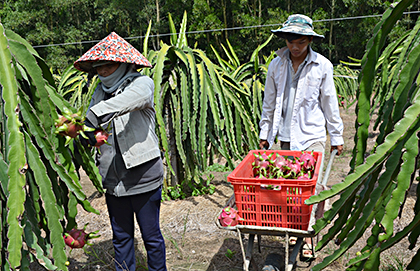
pixel 89 140
pixel 264 144
pixel 339 149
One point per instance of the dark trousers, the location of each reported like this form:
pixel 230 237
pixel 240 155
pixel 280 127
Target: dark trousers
pixel 146 208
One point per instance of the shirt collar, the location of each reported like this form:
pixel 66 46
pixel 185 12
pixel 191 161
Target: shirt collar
pixel 286 54
pixel 283 53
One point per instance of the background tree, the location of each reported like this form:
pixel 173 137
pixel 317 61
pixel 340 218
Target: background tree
pixel 82 23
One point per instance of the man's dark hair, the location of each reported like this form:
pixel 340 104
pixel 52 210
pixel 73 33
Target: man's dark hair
pixel 292 36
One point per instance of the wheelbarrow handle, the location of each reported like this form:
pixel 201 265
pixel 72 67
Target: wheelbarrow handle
pixel 329 166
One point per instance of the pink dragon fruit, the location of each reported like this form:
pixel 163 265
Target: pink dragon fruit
pixel 262 164
pixel 101 137
pixel 280 166
pixel 304 176
pixel 265 156
pixel 308 160
pixel 69 126
pixel 280 161
pixel 78 238
pixel 275 165
pixel 229 217
pixel 295 167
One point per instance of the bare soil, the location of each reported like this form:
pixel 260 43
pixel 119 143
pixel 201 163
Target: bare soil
pixel 194 242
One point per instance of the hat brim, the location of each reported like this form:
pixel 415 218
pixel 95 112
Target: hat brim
pixel 96 64
pixel 293 30
pixel 87 66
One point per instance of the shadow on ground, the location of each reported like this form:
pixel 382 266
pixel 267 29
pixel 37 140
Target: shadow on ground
pixel 229 257
pixel 98 256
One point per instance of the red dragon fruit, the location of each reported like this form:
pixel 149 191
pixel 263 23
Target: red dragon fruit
pixel 308 160
pixel 68 127
pixel 229 217
pixel 101 137
pixel 280 166
pixel 275 165
pixel 304 176
pixel 280 161
pixel 78 238
pixel 262 164
pixel 295 167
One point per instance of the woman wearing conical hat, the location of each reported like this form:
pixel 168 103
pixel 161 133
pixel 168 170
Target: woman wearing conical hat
pixel 130 165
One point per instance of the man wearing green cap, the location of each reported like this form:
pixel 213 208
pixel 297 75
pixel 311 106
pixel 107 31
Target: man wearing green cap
pixel 300 101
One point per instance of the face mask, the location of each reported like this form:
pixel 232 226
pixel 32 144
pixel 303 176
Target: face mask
pixel 113 78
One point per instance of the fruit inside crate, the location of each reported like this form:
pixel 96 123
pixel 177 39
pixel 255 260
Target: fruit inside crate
pixel 274 202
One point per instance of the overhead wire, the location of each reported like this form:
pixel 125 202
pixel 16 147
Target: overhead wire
pixel 218 30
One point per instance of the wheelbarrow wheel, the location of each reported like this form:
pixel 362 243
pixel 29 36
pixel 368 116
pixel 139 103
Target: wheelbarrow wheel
pixel 274 262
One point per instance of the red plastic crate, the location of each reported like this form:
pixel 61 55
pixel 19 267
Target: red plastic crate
pixel 284 207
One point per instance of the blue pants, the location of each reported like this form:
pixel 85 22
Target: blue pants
pixel 146 208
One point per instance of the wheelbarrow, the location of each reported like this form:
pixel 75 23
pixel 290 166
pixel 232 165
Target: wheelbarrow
pixel 294 227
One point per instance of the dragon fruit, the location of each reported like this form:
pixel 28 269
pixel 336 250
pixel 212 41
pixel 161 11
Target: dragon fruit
pixel 280 161
pixel 304 176
pixel 229 217
pixel 268 166
pixel 101 137
pixel 70 125
pixel 295 167
pixel 308 160
pixel 78 238
pixel 280 166
pixel 262 163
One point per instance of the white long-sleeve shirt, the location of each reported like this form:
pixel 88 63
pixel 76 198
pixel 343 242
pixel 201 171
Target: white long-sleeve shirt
pixel 315 107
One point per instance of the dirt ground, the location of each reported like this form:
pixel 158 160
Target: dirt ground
pixel 194 242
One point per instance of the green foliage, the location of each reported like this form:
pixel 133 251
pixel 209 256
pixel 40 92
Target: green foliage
pixel 174 192
pixel 40 186
pixel 73 87
pixel 204 187
pixel 203 109
pixel 230 253
pixel 217 168
pixel 345 81
pixel 376 188
pixel 77 25
pixel 187 188
pixel 396 265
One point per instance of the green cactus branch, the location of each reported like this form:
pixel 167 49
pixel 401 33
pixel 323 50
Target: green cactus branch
pixel 377 186
pixel 367 77
pixel 40 186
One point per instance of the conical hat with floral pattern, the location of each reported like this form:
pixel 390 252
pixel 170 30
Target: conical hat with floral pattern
pixel 111 48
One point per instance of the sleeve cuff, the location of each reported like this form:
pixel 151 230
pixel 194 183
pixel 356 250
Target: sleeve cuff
pixel 337 141
pixel 264 134
pixel 92 119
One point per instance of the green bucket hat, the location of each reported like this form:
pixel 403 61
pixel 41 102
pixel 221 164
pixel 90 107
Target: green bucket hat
pixel 298 24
